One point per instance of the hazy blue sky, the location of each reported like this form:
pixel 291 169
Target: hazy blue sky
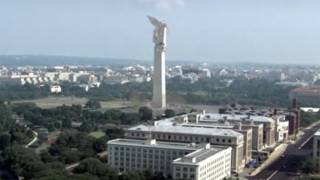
pixel 205 30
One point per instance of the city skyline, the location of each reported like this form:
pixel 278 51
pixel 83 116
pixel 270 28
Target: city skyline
pixel 210 31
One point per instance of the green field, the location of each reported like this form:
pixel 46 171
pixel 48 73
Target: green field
pixel 97 134
pixel 52 102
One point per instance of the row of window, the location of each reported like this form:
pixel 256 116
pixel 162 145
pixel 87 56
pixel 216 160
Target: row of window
pixel 183 138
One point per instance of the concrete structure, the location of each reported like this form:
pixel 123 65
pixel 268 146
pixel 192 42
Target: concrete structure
pixel 195 120
pixel 245 134
pixel 267 122
pixel 316 148
pixel 257 135
pixel 292 118
pixel 188 160
pixel 159 74
pixel 169 130
pixel 281 128
pixel 203 164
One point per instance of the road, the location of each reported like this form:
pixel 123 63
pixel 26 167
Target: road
pixel 289 164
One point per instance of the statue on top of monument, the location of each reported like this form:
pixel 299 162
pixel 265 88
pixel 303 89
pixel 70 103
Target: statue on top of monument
pixel 159 33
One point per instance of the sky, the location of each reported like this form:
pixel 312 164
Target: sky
pixel 272 31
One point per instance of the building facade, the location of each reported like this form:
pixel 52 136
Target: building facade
pixel 168 130
pixel 137 155
pixel 203 164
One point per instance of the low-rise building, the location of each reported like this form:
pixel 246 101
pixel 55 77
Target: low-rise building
pixel 282 128
pixel 169 130
pixel 203 164
pixel 55 89
pixel 172 159
pixel 267 122
pixel 306 95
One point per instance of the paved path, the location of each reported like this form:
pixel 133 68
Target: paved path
pixel 33 140
pixel 72 166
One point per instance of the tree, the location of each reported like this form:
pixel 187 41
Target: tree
pixel 72 146
pixel 93 104
pixel 24 162
pixel 66 123
pixel 100 144
pixel 129 118
pixel 5 140
pixel 132 176
pixel 94 167
pixel 145 113
pixel 310 165
pixel 169 113
pixel 86 127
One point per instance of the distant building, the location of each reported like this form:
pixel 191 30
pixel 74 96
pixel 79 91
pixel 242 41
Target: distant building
pixel 171 130
pixel 55 89
pixel 306 95
pixel 310 109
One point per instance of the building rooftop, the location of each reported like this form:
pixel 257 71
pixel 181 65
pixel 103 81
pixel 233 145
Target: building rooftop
pixel 180 129
pixel 157 144
pixel 308 90
pixel 217 117
pixel 317 133
pixel 196 157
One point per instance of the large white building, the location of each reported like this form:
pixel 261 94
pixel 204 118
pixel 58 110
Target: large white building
pixel 169 130
pixel 248 136
pixel 179 160
pixel 204 164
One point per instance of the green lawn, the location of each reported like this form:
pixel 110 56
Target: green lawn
pixel 97 134
pixel 52 102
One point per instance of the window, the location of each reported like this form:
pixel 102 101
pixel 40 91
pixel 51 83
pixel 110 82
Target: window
pixel 185 169
pixel 178 175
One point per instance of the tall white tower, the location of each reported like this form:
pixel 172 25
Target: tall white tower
pixel 159 67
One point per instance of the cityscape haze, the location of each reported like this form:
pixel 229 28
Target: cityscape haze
pixel 270 31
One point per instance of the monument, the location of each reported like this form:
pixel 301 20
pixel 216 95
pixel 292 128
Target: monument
pixel 159 69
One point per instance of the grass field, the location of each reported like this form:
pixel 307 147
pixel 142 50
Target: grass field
pixel 97 134
pixel 51 102
pixel 114 104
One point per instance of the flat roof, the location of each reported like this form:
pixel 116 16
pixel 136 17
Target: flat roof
pixel 178 129
pixel 196 157
pixel 216 117
pixel 156 144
